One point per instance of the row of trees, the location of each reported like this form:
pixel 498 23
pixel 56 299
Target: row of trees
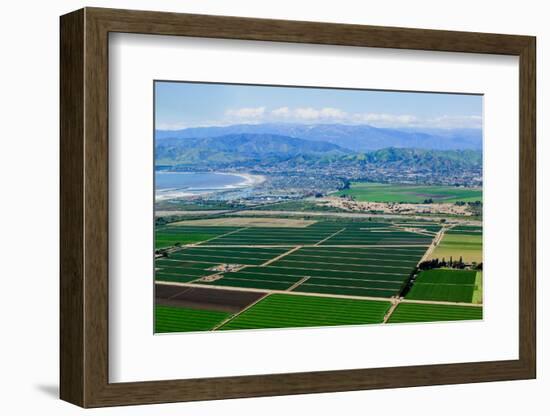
pixel 453 264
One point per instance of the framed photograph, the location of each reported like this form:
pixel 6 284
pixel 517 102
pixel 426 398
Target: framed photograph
pixel 260 207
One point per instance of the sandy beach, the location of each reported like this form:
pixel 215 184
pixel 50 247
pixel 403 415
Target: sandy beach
pixel 248 180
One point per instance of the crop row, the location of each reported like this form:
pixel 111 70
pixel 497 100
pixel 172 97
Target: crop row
pixel 287 311
pixel 172 319
pixel 412 312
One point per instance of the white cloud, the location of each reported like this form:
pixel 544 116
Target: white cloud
pixel 313 115
pixel 456 121
pixel 246 112
pixel 282 112
pixel 170 126
pixel 386 119
pixel 306 113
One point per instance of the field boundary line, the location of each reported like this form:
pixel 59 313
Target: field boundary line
pixel 442 302
pixel 390 311
pixel 330 236
pixel 230 318
pixel 298 283
pixel 280 256
pixel 435 242
pixel 218 236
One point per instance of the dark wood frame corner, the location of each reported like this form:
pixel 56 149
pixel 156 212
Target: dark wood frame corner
pixel 84 207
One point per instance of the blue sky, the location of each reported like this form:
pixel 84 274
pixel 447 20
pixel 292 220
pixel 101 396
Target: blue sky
pixel 180 105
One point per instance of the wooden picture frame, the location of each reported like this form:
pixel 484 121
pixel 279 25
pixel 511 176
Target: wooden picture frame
pixel 84 207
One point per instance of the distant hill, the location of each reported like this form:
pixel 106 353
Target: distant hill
pixel 425 159
pixel 235 148
pixel 282 154
pixel 359 138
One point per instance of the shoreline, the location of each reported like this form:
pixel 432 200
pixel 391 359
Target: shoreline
pixel 249 180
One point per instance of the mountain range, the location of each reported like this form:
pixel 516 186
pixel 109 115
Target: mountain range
pixel 358 138
pixel 235 148
pixel 283 153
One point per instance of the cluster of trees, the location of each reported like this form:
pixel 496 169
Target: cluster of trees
pixel 471 204
pixel 453 264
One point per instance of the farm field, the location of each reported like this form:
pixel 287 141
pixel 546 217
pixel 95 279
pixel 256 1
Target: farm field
pixel 424 312
pixel 178 319
pixel 445 292
pixel 167 236
pixel 246 222
pixel 224 265
pixel 417 194
pixel 477 297
pixel 457 244
pixel 466 230
pixel 324 233
pixel 286 311
pixel 372 272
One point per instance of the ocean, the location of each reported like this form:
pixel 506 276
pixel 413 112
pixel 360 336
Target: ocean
pixel 180 184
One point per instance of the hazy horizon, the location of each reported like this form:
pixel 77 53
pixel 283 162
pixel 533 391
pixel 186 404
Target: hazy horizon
pixel 181 105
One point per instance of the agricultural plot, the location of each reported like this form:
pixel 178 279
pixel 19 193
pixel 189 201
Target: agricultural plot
pixel 167 235
pixel 466 230
pixel 327 257
pixel 447 276
pixel 424 312
pixel 359 235
pixel 230 301
pixel 456 245
pixel 416 194
pixel 287 311
pixel 444 285
pixel 477 297
pixel 178 319
pixel 324 234
pixel 443 292
pixel 421 227
pixel 246 222
pixel 347 263
pixel 371 272
pixel 192 263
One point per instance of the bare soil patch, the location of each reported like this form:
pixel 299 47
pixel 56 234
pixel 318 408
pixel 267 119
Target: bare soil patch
pixel 207 298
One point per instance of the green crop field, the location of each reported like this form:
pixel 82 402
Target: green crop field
pixel 167 235
pixel 377 192
pixel 177 319
pixel 467 246
pixel 477 297
pixel 450 276
pixel 363 271
pixel 341 260
pixel 444 285
pixel 326 257
pixel 465 230
pixel 422 312
pixel 443 292
pixel 286 311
